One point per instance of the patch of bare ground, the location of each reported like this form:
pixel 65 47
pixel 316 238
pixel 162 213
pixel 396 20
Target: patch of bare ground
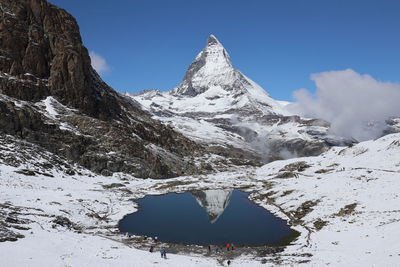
pixel 346 210
pixel 113 185
pixel 304 209
pixel 287 174
pixel 173 184
pixel 295 167
pixel 12 221
pixel 324 170
pixel 319 224
pixel 287 192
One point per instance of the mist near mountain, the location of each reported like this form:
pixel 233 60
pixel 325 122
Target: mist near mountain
pixel 356 105
pixel 258 138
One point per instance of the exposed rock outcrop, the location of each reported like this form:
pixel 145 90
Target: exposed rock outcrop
pixel 51 96
pixel 43 54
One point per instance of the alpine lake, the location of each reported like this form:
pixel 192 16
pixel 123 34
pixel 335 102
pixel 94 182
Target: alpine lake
pixel 212 217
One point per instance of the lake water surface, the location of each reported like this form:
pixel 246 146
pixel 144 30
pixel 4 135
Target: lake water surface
pixel 206 217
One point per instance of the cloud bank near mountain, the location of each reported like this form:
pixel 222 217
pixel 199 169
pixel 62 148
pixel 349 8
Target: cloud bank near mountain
pixel 356 105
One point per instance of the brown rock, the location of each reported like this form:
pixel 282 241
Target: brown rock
pixel 41 55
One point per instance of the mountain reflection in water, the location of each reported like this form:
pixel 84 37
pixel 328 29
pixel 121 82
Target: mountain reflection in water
pixel 214 202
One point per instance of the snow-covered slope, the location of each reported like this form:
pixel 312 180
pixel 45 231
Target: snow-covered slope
pixel 216 104
pixel 214 202
pixel 344 203
pixel 347 199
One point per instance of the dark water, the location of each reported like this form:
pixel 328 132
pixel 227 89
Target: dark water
pixel 184 218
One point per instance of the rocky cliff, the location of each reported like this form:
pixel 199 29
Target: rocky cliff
pixel 50 95
pixel 41 45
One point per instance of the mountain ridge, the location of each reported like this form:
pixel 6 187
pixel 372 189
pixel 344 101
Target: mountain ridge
pixel 219 106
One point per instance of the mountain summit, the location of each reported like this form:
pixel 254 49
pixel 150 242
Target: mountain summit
pixel 211 66
pixel 212 76
pixel 219 106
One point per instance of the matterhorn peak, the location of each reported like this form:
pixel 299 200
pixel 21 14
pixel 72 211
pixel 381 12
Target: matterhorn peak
pixel 213 59
pixel 212 40
pixel 215 53
pixel 211 65
pixel 212 76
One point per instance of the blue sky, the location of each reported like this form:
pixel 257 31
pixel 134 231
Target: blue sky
pixel 277 43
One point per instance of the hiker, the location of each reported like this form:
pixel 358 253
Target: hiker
pixel 165 254
pixel 232 247
pixel 209 249
pixel 151 248
pixel 162 253
pixel 228 262
pixel 228 246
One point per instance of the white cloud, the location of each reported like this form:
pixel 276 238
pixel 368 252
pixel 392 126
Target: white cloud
pixel 98 63
pixel 356 105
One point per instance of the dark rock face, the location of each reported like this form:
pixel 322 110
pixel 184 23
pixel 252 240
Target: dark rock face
pixel 298 148
pixel 41 45
pixel 42 55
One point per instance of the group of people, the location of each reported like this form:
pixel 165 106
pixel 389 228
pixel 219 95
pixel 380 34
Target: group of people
pixel 218 249
pixel 162 251
pixel 228 246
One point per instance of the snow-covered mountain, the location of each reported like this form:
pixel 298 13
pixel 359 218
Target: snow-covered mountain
pixel 214 202
pixel 212 85
pixel 212 76
pixel 218 105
